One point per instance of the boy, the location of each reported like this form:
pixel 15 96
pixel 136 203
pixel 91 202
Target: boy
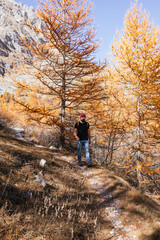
pixel 82 135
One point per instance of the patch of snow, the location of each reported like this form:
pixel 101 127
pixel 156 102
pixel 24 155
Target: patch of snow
pixel 39 146
pixel 40 180
pixel 52 147
pixel 18 129
pixel 18 132
pixel 66 158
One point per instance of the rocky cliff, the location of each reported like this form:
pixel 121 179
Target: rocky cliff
pixel 13 17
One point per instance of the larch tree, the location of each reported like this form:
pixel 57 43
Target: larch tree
pixel 107 116
pixel 136 62
pixel 64 65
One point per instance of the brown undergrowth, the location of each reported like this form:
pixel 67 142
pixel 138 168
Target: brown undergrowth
pixel 67 207
pixel 64 209
pixel 137 208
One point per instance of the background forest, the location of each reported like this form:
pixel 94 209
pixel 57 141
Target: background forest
pixel 120 96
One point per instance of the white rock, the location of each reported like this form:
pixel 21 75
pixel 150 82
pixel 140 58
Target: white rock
pixel 42 162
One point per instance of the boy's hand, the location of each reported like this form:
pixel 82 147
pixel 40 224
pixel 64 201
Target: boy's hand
pixel 77 138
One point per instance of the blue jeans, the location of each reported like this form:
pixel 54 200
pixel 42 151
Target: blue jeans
pixel 85 144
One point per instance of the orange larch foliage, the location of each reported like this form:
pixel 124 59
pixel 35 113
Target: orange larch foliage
pixel 64 67
pixel 136 58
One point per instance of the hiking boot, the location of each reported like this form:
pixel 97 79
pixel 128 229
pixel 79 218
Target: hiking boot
pixel 89 165
pixel 80 164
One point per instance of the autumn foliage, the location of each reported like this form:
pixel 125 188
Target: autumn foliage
pixel 126 120
pixel 63 71
pixel 135 67
pixel 122 99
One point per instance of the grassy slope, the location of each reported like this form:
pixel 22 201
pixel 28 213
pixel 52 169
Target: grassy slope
pixel 69 207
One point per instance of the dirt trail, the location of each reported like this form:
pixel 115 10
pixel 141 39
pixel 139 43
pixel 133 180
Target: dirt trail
pixel 97 180
pixel 112 213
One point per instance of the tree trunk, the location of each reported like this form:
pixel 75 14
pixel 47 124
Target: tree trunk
pixel 95 139
pixel 63 107
pixel 138 132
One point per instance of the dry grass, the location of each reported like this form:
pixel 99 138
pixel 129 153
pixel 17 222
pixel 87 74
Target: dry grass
pixel 137 206
pixel 67 208
pixel 144 209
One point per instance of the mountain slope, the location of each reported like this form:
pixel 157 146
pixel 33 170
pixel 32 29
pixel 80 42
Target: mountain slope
pixel 76 203
pixel 13 17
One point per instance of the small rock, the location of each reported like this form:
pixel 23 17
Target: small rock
pixel 42 162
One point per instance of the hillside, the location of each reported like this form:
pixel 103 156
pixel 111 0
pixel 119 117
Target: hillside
pixel 73 202
pixel 13 17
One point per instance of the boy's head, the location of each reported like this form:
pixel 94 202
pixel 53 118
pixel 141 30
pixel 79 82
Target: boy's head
pixel 82 117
